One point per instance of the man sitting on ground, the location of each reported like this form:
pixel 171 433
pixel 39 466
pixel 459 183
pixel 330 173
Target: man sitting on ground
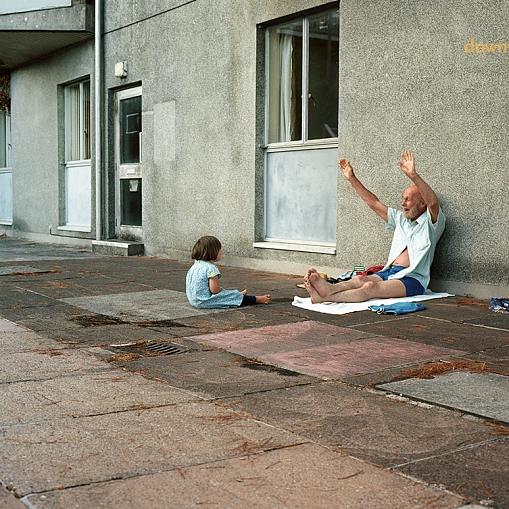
pixel 417 229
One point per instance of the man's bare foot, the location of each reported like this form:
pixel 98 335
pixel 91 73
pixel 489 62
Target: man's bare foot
pixel 315 296
pixel 262 299
pixel 321 286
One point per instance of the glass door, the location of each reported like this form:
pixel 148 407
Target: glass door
pixel 128 155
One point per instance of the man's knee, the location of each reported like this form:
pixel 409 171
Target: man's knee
pixel 369 287
pixel 360 281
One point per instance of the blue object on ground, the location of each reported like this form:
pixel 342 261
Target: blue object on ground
pixel 399 308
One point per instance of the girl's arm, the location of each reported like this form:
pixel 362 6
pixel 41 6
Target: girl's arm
pixel 214 284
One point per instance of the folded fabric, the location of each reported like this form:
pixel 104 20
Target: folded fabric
pixel 399 308
pixel 499 305
pixel 341 308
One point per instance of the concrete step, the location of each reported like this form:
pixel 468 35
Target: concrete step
pixel 118 247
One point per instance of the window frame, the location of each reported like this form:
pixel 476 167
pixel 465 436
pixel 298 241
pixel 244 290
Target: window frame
pixel 6 165
pixel 303 145
pixel 304 142
pixel 76 212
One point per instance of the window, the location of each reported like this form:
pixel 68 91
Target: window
pixel 78 177
pixel 302 87
pixel 77 122
pixel 5 169
pixel 303 79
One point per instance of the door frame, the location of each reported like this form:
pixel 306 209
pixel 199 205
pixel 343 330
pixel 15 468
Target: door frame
pixel 125 171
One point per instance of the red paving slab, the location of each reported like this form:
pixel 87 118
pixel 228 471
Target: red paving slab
pixel 356 357
pixel 281 338
pixel 324 350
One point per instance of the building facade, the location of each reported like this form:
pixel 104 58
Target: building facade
pixel 159 122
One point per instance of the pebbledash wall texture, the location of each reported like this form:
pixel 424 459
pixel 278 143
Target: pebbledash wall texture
pixel 406 79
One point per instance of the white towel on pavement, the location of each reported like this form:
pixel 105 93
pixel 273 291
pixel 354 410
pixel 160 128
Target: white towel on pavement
pixel 342 308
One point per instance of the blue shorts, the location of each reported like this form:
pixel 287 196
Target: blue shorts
pixel 413 287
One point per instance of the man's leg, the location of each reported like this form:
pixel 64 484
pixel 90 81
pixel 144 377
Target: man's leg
pixel 371 289
pixel 325 289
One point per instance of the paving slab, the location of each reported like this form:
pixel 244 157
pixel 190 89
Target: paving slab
pixel 478 472
pixel 48 363
pixel 26 251
pixel 281 338
pixel 215 374
pixel 12 297
pixel 70 286
pixel 494 320
pixel 364 424
pixel 243 318
pixel 9 501
pixel 44 318
pixel 457 309
pixel 484 394
pixel 26 341
pixel 82 395
pixel 495 360
pixel 105 335
pixel 70 452
pixel 430 330
pixel 362 356
pixel 302 476
pixel 136 306
pixel 9 270
pixel 343 352
pixel 7 326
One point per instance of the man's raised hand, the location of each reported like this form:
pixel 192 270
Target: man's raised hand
pixel 407 163
pixel 346 167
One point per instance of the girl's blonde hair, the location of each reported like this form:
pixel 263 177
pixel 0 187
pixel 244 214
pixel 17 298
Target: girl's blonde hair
pixel 206 248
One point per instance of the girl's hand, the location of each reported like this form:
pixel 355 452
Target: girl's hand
pixel 244 291
pixel 214 285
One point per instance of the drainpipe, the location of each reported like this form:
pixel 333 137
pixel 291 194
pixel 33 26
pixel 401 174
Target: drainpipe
pixel 98 119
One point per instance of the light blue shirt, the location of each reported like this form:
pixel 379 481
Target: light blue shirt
pixel 420 237
pixel 198 290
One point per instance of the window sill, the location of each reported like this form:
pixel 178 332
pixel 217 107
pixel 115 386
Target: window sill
pixel 75 228
pixel 323 248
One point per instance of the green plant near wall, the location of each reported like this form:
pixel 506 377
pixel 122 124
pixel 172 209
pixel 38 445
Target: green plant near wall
pixel 5 99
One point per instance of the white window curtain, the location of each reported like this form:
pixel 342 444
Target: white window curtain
pixel 281 115
pixel 285 91
pixel 77 122
pixel 72 123
pixel 5 140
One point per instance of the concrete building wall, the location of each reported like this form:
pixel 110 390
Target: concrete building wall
pixel 406 82
pixel 199 78
pixel 37 111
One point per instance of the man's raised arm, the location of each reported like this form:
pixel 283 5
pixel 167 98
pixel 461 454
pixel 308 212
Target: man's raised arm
pixel 407 165
pixel 369 198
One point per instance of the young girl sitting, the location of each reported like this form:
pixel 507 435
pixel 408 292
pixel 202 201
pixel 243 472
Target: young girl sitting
pixel 202 281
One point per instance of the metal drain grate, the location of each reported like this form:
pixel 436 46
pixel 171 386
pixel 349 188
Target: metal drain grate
pixel 142 348
pixel 164 348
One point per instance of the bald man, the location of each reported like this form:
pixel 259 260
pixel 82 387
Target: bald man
pixel 417 229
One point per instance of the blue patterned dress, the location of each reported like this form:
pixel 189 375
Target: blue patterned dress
pixel 198 290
